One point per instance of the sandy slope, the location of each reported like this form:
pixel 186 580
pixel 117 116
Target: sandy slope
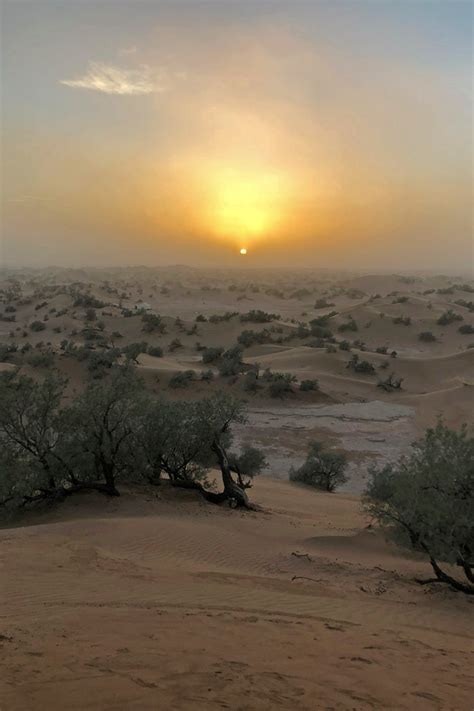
pixel 160 601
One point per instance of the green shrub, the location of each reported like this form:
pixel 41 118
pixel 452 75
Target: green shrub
pixel 182 379
pixel 37 326
pixel 427 337
pixel 306 385
pixel 448 317
pixel 322 469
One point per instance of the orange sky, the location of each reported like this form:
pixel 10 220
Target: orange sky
pixel 309 134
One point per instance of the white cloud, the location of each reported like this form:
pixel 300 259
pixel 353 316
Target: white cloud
pixel 128 51
pixel 116 80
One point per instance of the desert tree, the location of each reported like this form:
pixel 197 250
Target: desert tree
pixel 169 441
pixel 426 502
pixel 216 415
pixel 322 469
pixel 247 464
pixel 100 426
pixel 31 429
pixel 132 350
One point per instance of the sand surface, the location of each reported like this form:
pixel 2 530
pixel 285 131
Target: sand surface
pixel 159 600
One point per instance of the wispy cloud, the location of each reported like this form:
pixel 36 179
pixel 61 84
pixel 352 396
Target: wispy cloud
pixel 28 198
pixel 126 51
pixel 116 80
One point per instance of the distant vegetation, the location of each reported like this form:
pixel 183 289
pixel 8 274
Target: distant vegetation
pixel 448 317
pixel 258 316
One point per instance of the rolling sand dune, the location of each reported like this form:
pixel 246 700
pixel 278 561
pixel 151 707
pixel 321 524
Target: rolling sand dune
pixel 159 600
pixel 165 603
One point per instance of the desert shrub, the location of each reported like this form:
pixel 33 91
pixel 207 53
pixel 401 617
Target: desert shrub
pixel 250 382
pixel 427 337
pixel 306 385
pixel 88 301
pixel 360 366
pixel 322 304
pixel 153 323
pixel 349 325
pixel 41 360
pixel 400 300
pixel 100 362
pixel 344 346
pixel 279 384
pixel 201 319
pixel 249 338
pixel 322 469
pixel 132 350
pixel 10 309
pixel 155 351
pixel 6 351
pixel 425 501
pixel 219 318
pixel 469 305
pixel 212 355
pixel 448 317
pixel 230 362
pixel 301 332
pixel 37 326
pixel 391 383
pixel 175 345
pixel 207 376
pixel 182 379
pixel 465 287
pixel 402 320
pixel 317 343
pixel 258 316
pixel 466 328
pixel 330 348
pixel 90 314
pixel 320 331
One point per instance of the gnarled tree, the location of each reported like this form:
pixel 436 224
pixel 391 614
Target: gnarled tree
pixel 426 502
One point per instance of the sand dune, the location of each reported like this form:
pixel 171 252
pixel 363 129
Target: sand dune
pixel 182 605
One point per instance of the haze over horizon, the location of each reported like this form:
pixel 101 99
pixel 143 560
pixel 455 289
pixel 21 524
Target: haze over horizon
pixel 311 134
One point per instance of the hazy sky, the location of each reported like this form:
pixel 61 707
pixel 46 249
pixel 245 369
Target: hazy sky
pixel 325 133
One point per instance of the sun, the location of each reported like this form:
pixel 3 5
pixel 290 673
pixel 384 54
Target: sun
pixel 243 251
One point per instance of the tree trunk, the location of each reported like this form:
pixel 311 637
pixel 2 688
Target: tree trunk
pixel 443 577
pixel 109 477
pixel 232 491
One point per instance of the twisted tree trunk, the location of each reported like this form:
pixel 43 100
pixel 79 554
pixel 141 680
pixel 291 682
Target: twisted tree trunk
pixel 232 491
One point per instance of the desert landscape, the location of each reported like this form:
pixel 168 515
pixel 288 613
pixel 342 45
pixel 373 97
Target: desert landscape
pixel 158 598
pixel 236 355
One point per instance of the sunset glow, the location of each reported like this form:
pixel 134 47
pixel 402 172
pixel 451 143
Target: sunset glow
pixel 180 132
